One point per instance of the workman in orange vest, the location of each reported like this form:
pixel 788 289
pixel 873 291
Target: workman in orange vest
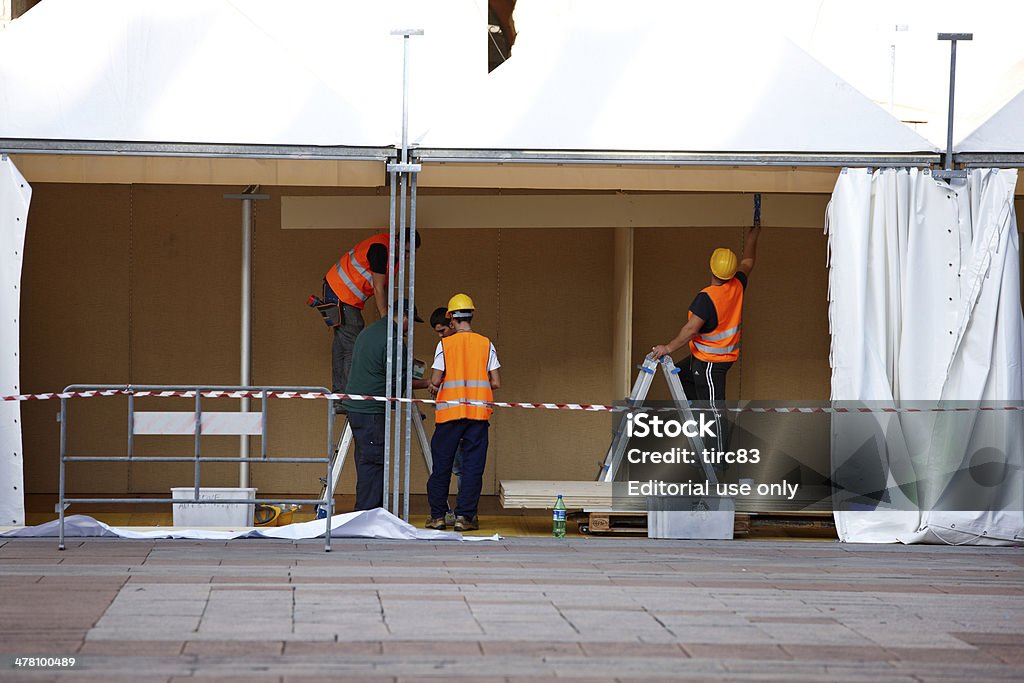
pixel 360 273
pixel 712 331
pixel 465 369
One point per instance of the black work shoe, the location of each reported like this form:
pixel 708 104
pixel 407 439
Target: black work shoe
pixel 466 524
pixel 436 523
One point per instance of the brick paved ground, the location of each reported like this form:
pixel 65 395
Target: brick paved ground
pixel 588 609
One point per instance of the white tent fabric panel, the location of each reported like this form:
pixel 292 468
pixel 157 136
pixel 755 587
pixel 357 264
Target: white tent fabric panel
pixel 666 77
pixel 925 312
pixel 1003 133
pixel 233 71
pixel 15 196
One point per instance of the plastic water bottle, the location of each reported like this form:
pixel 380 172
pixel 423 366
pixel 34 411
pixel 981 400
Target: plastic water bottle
pixel 558 518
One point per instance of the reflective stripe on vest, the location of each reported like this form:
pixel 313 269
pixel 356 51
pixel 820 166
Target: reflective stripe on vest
pixel 355 264
pixel 349 285
pixel 722 344
pixel 714 351
pixel 476 383
pixel 465 378
pixel 350 278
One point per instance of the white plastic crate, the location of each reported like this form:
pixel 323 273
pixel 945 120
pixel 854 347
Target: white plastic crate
pixel 212 514
pixel 698 517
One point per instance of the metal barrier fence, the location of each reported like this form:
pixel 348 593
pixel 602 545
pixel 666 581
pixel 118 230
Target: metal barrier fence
pixel 242 424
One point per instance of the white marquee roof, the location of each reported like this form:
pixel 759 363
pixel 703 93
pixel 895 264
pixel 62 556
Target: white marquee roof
pixel 1001 134
pixel 663 77
pixel 243 72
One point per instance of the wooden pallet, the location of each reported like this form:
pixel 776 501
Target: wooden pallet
pixel 629 522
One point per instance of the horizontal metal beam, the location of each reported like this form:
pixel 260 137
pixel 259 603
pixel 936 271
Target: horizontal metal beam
pixel 277 460
pixel 184 149
pixel 201 501
pixel 674 158
pixel 993 159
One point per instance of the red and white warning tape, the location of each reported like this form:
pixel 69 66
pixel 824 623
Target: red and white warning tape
pixel 588 407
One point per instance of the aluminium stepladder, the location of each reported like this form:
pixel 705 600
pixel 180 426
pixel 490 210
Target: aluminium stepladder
pixel 636 399
pixel 345 444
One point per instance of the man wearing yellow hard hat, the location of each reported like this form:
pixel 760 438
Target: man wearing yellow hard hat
pixel 712 330
pixel 465 369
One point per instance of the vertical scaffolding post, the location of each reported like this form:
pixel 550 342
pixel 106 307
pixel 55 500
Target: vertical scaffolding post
pixel 400 371
pixel 947 171
pixel 247 196
pixel 389 370
pixel 61 507
pixel 397 441
pixel 410 319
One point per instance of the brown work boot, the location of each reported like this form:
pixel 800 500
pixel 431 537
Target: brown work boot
pixel 466 524
pixel 436 523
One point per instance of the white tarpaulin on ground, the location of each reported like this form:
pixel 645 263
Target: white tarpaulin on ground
pixel 15 195
pixel 377 523
pixel 925 311
pixel 665 76
pixel 316 72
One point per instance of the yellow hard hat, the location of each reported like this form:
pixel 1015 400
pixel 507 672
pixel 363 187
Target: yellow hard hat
pixel 460 302
pixel 723 263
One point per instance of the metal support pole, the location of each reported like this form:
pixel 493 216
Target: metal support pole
pixel 400 370
pixel 401 246
pixel 63 466
pixel 329 482
pixel 131 423
pixel 948 171
pixel 247 196
pixel 389 370
pixel 198 435
pixel 246 341
pixel 396 441
pixel 410 320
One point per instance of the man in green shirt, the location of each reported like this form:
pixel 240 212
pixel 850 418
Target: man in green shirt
pixel 368 377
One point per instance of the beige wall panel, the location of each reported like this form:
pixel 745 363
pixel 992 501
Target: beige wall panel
pixel 785 325
pixel 186 258
pixel 670 267
pixel 578 210
pixel 626 177
pixel 556 344
pixel 291 345
pixel 112 169
pixel 621 363
pixel 785 321
pixel 470 261
pixel 74 328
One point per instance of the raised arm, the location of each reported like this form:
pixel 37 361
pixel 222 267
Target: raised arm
pixel 749 251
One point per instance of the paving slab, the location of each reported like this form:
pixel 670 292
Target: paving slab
pixel 521 609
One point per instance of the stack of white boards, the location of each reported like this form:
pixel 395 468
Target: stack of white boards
pixel 577 495
pixel 593 496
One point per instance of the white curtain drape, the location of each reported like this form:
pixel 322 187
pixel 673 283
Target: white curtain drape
pixel 925 313
pixel 15 195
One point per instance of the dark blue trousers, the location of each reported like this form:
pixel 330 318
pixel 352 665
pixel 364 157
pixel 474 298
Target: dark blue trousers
pixel 473 434
pixel 368 431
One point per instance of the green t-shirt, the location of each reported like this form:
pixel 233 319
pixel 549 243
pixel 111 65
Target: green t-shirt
pixel 369 367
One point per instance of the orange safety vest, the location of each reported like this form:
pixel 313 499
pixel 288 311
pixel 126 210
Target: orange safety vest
pixel 350 277
pixel 465 378
pixel 722 344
